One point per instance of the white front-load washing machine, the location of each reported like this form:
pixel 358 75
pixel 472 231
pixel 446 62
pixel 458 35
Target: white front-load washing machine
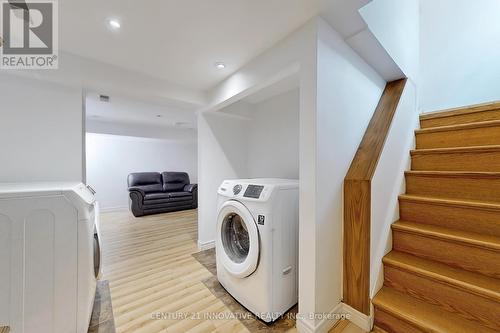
pixel 49 257
pixel 257 244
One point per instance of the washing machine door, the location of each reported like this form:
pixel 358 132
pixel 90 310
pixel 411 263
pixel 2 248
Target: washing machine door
pixel 237 239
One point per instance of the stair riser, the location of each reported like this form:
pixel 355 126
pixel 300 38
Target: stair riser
pixel 455 217
pixel 468 188
pixel 393 324
pixel 378 330
pixel 465 256
pixel 461 119
pixel 482 136
pixel 474 161
pixel 468 305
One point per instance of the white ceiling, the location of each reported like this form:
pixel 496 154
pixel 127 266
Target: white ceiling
pixel 179 40
pixel 165 51
pixel 132 111
pixel 343 15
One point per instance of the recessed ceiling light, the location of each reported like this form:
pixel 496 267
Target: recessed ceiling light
pixel 220 65
pixel 114 24
pixel 159 116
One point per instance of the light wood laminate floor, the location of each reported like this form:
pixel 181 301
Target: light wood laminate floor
pixel 155 281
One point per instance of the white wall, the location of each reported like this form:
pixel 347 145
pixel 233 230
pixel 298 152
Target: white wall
pixel 245 140
pixel 389 182
pixel 348 92
pixel 459 53
pixel 110 158
pixel 41 130
pixel 273 141
pixel 396 24
pixel 222 154
pixel 345 18
pixel 446 47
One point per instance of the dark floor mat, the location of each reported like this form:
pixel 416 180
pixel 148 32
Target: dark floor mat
pixel 102 320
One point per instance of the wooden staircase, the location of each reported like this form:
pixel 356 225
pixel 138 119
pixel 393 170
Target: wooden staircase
pixel 443 273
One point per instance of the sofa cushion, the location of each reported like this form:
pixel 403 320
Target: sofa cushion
pixel 156 196
pixel 167 195
pixel 146 181
pixel 154 205
pixel 174 181
pixel 180 194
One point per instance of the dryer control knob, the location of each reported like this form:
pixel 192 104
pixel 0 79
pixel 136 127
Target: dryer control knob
pixel 237 189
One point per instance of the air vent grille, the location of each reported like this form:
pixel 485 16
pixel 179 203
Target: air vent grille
pixel 104 98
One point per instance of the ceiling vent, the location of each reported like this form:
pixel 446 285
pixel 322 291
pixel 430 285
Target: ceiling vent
pixel 104 98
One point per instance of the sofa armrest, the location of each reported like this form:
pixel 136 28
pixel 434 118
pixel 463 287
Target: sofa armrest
pixel 137 189
pixel 190 188
pixel 136 201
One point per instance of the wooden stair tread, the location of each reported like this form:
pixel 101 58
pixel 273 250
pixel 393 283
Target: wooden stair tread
pixel 461 110
pixel 4 329
pixel 457 236
pixel 425 316
pixel 472 149
pixel 377 329
pixel 452 202
pixel 467 115
pixel 471 282
pixel 447 128
pixel 455 174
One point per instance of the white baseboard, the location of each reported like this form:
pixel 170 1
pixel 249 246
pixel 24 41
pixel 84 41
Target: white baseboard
pixel 202 246
pixel 114 209
pixel 360 319
pixel 323 326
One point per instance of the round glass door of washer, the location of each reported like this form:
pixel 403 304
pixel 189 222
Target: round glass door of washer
pixel 238 238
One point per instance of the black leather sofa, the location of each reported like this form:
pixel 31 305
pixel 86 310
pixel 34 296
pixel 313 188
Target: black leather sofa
pixel 153 193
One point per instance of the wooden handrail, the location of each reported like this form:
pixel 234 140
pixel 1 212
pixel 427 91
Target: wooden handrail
pixel 357 199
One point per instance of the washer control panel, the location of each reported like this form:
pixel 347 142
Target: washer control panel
pixel 245 190
pixel 253 191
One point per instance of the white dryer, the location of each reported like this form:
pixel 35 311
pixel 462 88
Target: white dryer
pixel 257 244
pixel 49 257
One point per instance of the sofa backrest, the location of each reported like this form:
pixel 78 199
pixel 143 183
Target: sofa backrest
pixel 146 181
pixel 174 181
